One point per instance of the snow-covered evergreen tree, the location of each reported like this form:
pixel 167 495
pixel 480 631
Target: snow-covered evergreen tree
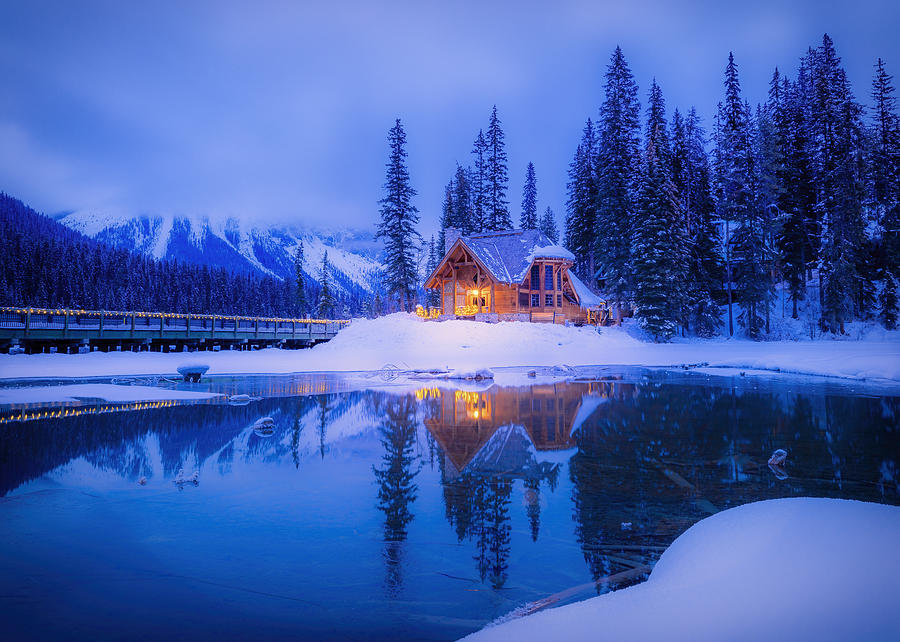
pixel 548 225
pixel 433 297
pixel 703 259
pixel 300 281
pixel 884 161
pixel 398 224
pixel 497 175
pixel 325 309
pixel 529 218
pixel 735 199
pixel 618 171
pixel 581 216
pixel 837 148
pixel 463 214
pixel 479 182
pixel 657 252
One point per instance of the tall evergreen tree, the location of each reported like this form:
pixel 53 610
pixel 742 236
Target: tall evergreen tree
pixel 479 183
pixel 735 197
pixel 703 257
pixel 497 175
pixel 548 225
pixel 884 162
pixel 325 309
pixel 618 171
pixel 656 248
pixel 463 214
pixel 529 219
pixel 837 148
pixel 398 223
pixel 581 217
pixel 300 281
pixel 433 297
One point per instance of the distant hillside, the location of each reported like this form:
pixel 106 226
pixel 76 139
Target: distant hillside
pixel 229 244
pixel 46 264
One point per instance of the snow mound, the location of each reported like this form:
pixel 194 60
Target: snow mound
pixel 787 569
pixel 405 340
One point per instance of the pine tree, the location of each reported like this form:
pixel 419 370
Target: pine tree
pixel 529 219
pixel 703 257
pixel 299 281
pixel 735 197
pixel 463 214
pixel 447 212
pixel 433 297
pixel 618 174
pixel 398 223
pixel 497 175
pixel 656 253
pixel 836 148
pixel 479 183
pixel 884 162
pixel 581 217
pixel 548 225
pixel 325 309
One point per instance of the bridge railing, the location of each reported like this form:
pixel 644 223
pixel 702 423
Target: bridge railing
pixel 162 322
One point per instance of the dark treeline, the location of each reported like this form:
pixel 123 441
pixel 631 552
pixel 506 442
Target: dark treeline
pixel 45 264
pixel 799 195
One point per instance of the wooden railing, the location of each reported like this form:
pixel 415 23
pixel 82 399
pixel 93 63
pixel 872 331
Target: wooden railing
pixel 50 324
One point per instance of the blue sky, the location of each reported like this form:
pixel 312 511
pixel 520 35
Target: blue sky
pixel 276 111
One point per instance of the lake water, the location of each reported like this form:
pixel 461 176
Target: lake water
pixel 394 509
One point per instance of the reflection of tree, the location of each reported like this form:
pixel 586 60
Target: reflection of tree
pixel 323 423
pixel 397 488
pixel 296 431
pixel 533 506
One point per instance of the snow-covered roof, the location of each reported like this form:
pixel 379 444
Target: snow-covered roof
pixel 508 254
pixel 586 298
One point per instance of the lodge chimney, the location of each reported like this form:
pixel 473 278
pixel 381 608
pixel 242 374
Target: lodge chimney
pixel 450 236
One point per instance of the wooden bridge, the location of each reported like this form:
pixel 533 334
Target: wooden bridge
pixel 42 330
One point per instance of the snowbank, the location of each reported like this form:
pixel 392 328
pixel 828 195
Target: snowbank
pixel 105 392
pixel 408 342
pixel 789 569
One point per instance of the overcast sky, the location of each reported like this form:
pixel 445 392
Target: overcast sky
pixel 277 110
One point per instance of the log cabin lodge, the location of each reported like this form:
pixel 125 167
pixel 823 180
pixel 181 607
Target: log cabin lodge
pixel 512 275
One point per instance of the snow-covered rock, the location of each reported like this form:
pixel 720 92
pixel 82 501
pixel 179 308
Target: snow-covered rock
pixel 788 569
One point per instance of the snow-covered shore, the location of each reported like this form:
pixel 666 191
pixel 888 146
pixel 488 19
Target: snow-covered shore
pixel 407 342
pixel 788 569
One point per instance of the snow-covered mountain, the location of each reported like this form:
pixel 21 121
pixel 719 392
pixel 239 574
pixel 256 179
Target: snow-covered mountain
pixel 236 246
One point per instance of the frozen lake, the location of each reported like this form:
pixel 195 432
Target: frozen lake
pixel 386 509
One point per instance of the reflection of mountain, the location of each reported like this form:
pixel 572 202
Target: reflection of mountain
pixel 157 442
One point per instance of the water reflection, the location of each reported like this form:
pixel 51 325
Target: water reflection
pixel 528 493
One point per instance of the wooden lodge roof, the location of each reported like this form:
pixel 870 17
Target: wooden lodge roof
pixel 508 255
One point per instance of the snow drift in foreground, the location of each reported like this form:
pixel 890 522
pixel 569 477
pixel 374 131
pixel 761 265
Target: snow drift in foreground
pixel 408 342
pixel 105 392
pixel 787 569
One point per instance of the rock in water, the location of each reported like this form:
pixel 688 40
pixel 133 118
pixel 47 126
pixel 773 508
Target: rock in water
pixel 778 457
pixel 192 371
pixel 264 427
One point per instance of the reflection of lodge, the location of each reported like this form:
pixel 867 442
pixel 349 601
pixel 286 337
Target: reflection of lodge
pixel 463 422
